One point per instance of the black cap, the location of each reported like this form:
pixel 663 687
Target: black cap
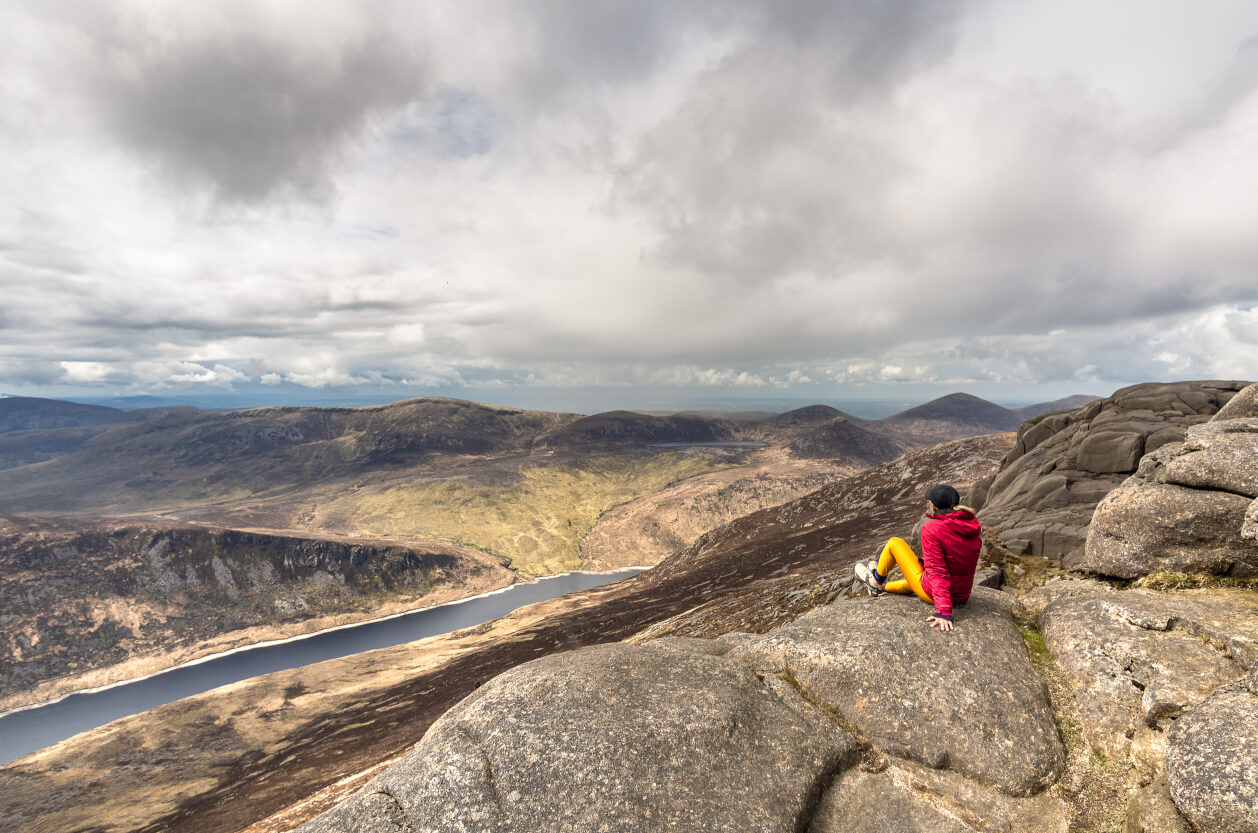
pixel 943 496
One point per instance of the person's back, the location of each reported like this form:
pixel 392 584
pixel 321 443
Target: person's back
pixel 951 543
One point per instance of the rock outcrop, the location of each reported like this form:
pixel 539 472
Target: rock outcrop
pixel 1189 507
pixel 909 797
pixel 614 737
pixel 1138 659
pixel 744 733
pixel 1041 501
pixel 966 700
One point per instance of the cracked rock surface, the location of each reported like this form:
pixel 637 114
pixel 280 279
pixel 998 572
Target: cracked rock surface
pixel 1137 657
pixel 1212 759
pixel 614 737
pixel 967 700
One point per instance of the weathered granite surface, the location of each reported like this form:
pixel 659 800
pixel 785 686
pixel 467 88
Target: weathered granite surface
pixel 1138 657
pixel 1212 760
pixel 1151 810
pixel 1187 508
pixel 1041 501
pixel 1062 587
pixel 908 798
pixel 614 737
pixel 967 700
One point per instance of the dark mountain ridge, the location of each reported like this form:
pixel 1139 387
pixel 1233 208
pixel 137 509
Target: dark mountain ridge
pixel 188 456
pixel 158 457
pixel 23 413
pixel 943 418
pixel 843 437
pixel 628 427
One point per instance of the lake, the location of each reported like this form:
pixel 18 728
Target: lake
pixel 23 732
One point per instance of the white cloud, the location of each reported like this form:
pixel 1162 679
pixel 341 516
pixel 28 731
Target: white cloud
pixel 709 195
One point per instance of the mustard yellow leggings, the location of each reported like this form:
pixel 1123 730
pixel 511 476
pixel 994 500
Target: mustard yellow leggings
pixel 897 549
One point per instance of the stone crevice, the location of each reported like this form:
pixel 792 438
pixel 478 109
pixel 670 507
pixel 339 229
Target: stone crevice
pixel 1209 489
pixel 491 779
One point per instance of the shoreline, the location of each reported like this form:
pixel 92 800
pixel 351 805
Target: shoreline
pixel 298 637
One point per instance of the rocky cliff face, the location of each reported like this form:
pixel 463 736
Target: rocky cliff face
pixel 1041 501
pixel 82 597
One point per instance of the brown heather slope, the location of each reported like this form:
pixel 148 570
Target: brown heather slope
pixel 647 530
pixel 23 413
pixel 227 759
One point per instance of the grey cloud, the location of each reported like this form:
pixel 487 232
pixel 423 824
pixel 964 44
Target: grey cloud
pixel 33 371
pixel 244 110
pixel 869 44
pixel 579 47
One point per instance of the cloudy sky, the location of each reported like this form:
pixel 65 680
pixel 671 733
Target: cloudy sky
pixel 674 202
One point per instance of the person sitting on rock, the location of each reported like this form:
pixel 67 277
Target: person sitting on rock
pixel 951 544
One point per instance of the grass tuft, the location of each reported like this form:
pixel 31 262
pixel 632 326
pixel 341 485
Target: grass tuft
pixel 1171 580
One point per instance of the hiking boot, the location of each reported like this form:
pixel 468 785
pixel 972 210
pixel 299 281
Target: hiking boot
pixel 865 575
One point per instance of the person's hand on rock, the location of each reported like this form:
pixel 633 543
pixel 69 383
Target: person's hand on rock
pixel 942 624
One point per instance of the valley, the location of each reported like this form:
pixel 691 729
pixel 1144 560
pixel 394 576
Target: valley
pixel 163 536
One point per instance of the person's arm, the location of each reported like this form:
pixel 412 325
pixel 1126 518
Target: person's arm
pixel 938 577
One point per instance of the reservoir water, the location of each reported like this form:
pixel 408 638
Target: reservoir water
pixel 23 732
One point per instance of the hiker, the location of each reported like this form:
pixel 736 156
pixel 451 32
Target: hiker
pixel 950 548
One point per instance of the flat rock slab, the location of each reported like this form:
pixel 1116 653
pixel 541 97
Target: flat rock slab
pixel 1138 656
pixel 967 700
pixel 1062 587
pixel 1212 760
pixel 610 738
pixel 908 798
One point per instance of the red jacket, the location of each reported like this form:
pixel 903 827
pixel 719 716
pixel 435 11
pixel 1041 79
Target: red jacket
pixel 950 549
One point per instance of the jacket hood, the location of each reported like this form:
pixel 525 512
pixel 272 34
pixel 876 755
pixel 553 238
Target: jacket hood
pixel 960 521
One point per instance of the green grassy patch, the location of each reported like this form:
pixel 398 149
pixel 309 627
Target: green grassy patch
pixel 538 521
pixel 1094 784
